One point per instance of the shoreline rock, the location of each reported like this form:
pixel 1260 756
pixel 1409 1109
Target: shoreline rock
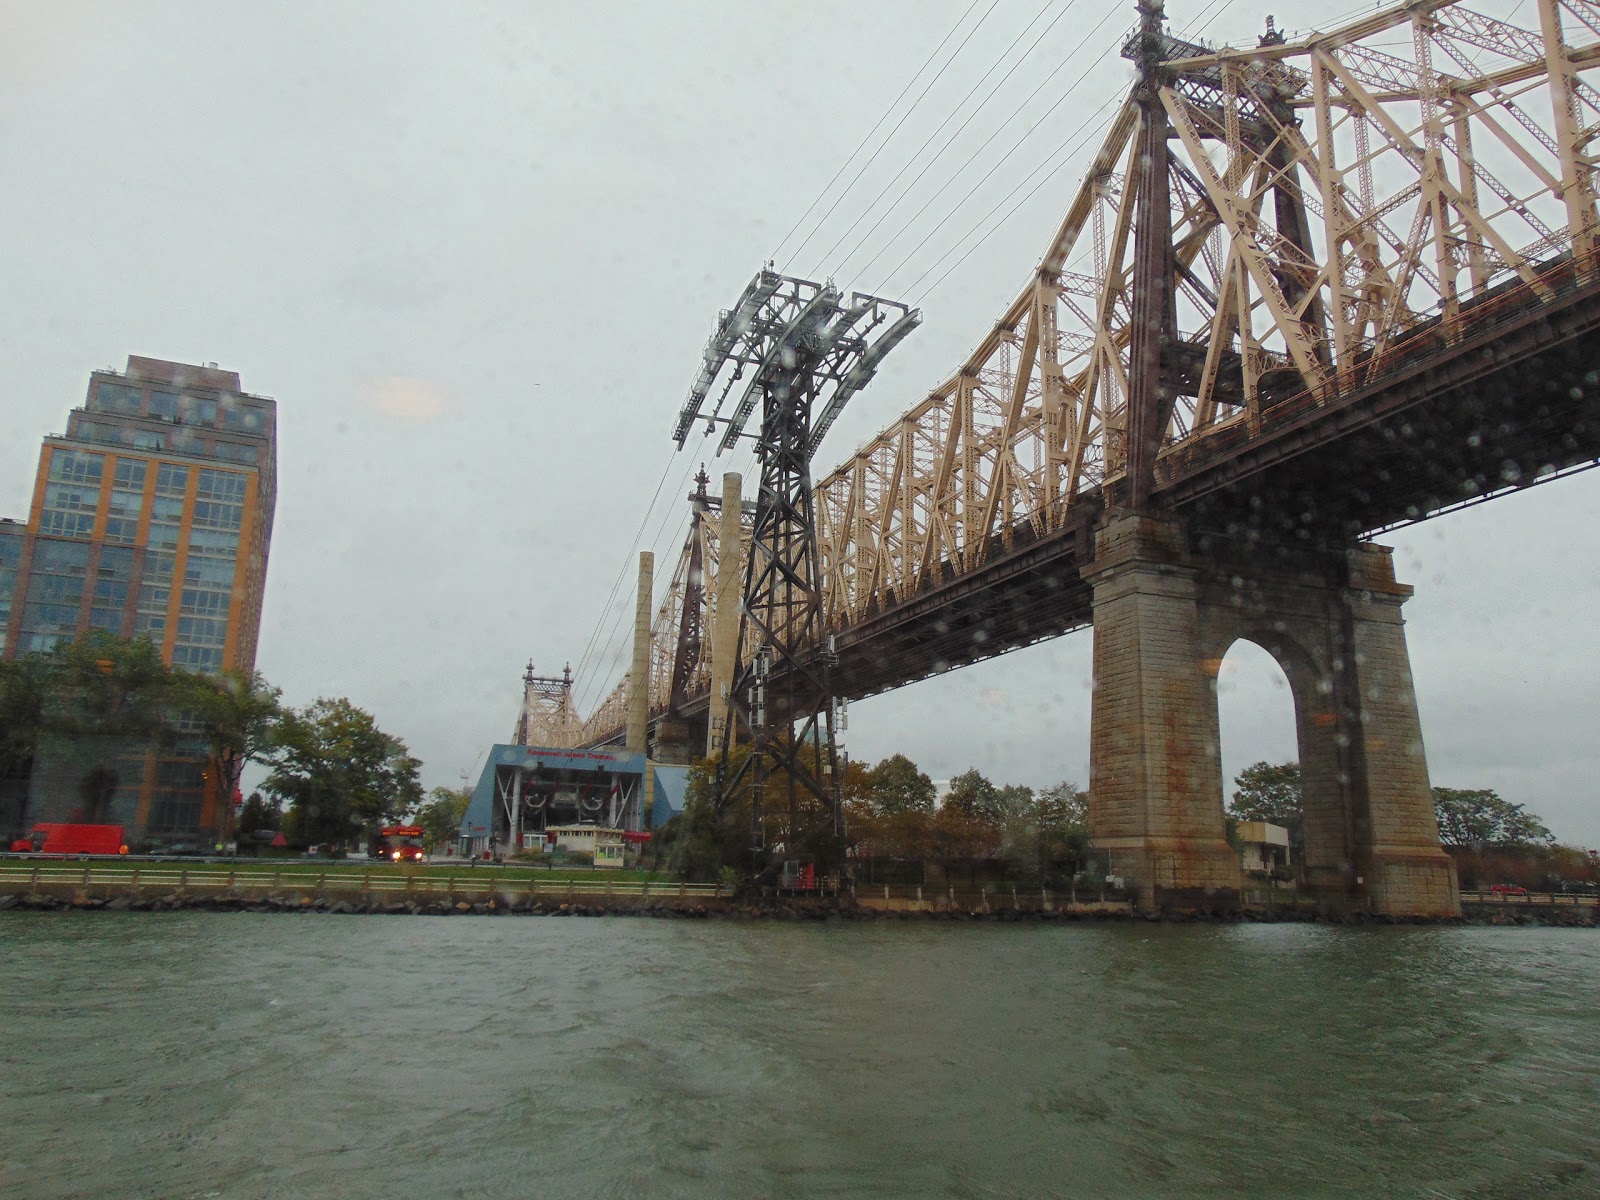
pixel 777 909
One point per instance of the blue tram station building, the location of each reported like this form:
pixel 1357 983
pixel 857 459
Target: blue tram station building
pixel 525 790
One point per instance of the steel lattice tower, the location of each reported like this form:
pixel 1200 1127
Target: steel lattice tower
pixel 807 350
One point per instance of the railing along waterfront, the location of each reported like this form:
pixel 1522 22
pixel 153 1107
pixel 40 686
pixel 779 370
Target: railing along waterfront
pixel 335 883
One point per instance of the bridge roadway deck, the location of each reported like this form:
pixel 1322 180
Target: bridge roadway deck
pixel 1506 395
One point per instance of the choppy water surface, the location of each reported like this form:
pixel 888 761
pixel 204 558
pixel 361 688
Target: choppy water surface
pixel 233 1055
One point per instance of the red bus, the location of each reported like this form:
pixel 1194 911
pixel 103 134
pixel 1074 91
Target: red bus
pixel 398 843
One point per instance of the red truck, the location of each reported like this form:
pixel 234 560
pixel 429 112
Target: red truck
pixel 53 838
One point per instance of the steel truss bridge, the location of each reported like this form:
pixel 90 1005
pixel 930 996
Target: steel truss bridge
pixel 1308 290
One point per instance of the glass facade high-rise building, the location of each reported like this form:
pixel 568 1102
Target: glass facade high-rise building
pixel 151 517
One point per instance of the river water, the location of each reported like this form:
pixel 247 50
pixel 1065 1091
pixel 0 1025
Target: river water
pixel 244 1055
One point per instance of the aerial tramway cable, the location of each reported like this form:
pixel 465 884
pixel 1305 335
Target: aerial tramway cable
pixel 795 253
pixel 778 249
pixel 982 104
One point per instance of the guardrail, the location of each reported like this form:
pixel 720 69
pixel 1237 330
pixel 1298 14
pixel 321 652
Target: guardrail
pixel 337 883
pixel 1549 899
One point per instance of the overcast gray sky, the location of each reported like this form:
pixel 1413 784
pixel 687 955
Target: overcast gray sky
pixel 473 249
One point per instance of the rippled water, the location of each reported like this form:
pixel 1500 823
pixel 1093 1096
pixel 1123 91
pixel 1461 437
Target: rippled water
pixel 237 1055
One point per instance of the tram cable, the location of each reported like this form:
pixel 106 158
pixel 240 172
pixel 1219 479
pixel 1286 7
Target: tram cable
pixel 876 126
pixel 827 257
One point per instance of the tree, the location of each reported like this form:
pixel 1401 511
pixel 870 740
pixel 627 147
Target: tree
pixel 259 816
pixel 698 845
pixel 1064 807
pixel 237 715
pixel 101 685
pixel 1267 792
pixel 975 798
pixel 340 773
pixel 1479 817
pixel 897 786
pixel 24 685
pixel 442 815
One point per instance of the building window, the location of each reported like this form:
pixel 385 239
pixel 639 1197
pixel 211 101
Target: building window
pixel 158 567
pixel 130 474
pixel 60 558
pixel 166 508
pixel 106 618
pixel 116 562
pixel 171 480
pixel 67 525
pixel 200 572
pixel 57 589
pixel 125 503
pixel 164 405
pixel 203 604
pixel 162 536
pixel 76 466
pixel 199 410
pixel 215 515
pixel 202 631
pixel 235 453
pixel 145 440
pixel 116 397
pixel 49 618
pixel 221 485
pixel 213 543
pixel 202 659
pixel 238 415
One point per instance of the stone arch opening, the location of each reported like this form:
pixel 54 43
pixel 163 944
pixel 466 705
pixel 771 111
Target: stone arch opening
pixel 1256 721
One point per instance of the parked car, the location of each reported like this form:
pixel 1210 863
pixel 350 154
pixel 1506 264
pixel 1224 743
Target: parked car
pixel 1509 889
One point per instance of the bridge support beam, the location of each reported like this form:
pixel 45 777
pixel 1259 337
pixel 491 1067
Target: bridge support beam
pixel 1164 617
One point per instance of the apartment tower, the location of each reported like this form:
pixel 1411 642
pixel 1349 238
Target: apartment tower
pixel 151 517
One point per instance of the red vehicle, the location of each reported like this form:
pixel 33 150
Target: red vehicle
pixel 54 838
pixel 1509 889
pixel 398 843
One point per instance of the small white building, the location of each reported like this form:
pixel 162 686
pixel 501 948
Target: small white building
pixel 1262 846
pixel 604 845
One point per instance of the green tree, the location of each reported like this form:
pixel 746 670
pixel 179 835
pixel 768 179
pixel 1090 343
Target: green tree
pixel 1479 817
pixel 341 775
pixel 442 815
pixel 897 786
pixel 975 798
pixel 699 844
pixel 1271 792
pixel 259 815
pixel 1267 792
pixel 1063 817
pixel 1064 807
pixel 237 715
pixel 100 685
pixel 24 687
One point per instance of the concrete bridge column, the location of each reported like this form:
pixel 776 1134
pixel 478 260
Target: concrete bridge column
pixel 1164 618
pixel 1401 868
pixel 1155 778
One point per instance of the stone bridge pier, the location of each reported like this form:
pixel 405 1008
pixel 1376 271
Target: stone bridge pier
pixel 1167 606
